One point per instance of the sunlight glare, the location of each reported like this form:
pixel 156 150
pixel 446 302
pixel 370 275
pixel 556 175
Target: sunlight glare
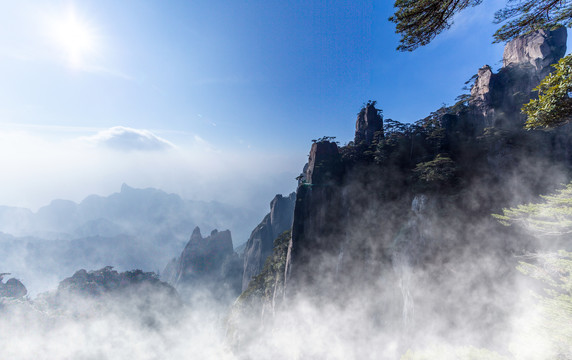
pixel 76 37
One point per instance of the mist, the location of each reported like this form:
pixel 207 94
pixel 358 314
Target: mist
pixel 447 238
pixel 47 164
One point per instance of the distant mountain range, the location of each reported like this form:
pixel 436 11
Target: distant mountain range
pixel 134 228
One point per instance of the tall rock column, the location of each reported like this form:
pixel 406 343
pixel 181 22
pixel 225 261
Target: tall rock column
pixel 317 216
pixel 261 242
pixel 369 124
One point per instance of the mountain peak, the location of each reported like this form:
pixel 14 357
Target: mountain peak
pixel 540 49
pixel 125 188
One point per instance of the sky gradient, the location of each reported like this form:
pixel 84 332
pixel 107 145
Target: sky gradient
pixel 213 100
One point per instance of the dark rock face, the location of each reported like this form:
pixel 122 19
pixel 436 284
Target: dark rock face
pixel 207 264
pixel 259 245
pixel 497 98
pixel 313 225
pixel 13 288
pixel 358 222
pixel 369 124
pixel 324 164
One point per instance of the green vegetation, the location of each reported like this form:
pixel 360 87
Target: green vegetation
pixel 553 216
pixel 526 16
pixel 553 271
pixel 419 22
pixel 554 105
pixel 439 170
pixel 271 277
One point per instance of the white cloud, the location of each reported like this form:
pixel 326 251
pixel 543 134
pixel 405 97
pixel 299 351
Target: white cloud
pixel 129 139
pixel 42 164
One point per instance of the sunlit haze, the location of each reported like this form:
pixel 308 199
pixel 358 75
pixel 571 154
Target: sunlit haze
pixel 75 36
pixel 275 179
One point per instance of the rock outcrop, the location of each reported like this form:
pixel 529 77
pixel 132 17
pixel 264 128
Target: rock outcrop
pixel 13 288
pixel 539 49
pixel 207 264
pixel 324 164
pixel 496 99
pixel 259 245
pixel 369 125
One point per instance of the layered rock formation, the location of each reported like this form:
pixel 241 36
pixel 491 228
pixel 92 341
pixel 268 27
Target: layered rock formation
pixel 540 49
pixel 496 99
pixel 207 264
pixel 259 245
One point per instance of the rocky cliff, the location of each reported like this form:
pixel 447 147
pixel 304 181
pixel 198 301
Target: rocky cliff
pixel 403 214
pixel 207 265
pixel 497 97
pixel 259 245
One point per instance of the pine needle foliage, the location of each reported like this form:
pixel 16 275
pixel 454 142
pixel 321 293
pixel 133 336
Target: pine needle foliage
pixel 524 17
pixel 554 105
pixel 554 271
pixel 552 216
pixel 418 22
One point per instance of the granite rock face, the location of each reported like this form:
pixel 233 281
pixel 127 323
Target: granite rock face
pixel 539 49
pixel 496 98
pixel 369 125
pixel 208 264
pixel 260 243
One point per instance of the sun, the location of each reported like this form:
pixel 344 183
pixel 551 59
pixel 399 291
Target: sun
pixel 75 36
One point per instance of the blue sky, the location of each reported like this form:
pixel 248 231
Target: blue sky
pixel 236 89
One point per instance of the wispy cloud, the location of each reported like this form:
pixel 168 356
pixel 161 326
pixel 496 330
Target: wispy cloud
pixel 129 139
pixel 45 163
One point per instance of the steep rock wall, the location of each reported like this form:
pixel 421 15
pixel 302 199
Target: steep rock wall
pixel 259 245
pixel 415 209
